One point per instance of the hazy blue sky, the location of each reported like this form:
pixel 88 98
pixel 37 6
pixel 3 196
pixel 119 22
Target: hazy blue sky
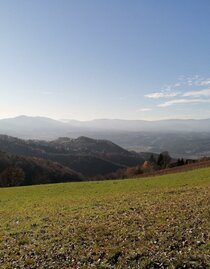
pixel 105 58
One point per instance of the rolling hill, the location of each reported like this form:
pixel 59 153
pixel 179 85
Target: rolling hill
pixel 182 138
pixel 160 222
pixel 42 127
pixel 18 170
pixel 87 156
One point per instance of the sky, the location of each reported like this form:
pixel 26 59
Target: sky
pixel 88 59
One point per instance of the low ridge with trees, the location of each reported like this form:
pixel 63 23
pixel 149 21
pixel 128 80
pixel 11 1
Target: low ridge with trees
pixel 27 162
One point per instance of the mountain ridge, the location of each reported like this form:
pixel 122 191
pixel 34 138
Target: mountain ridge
pixel 182 138
pixel 196 125
pixel 87 156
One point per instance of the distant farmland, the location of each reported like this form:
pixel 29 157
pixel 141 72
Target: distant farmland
pixel 158 222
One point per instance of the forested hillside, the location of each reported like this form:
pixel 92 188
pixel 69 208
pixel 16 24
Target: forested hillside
pixel 18 170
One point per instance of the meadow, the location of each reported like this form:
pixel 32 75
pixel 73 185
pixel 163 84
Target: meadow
pixel 156 222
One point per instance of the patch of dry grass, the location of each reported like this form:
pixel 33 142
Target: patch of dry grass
pixel 160 222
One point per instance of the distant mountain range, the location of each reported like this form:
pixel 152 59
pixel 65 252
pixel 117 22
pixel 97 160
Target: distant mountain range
pixel 33 127
pixel 36 127
pixel 176 125
pixel 182 138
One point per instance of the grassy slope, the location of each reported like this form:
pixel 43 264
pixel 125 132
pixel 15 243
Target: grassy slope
pixel 148 223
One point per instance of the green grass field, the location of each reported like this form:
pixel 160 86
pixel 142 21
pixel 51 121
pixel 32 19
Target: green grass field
pixel 159 222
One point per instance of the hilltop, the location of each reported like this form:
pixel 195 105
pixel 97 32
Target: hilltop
pixel 88 157
pixel 160 222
